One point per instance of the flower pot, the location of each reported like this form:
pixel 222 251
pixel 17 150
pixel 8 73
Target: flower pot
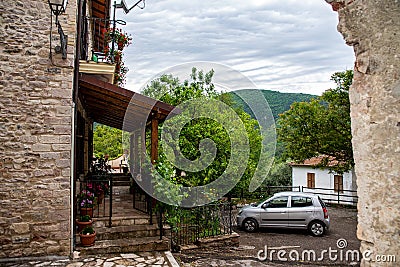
pixel 86 211
pixel 87 240
pixel 82 225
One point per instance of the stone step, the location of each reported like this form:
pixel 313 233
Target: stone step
pixel 121 183
pixel 122 221
pixel 127 232
pixel 143 244
pixel 121 178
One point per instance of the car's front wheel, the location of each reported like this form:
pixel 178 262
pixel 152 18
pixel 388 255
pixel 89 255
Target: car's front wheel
pixel 316 228
pixel 250 225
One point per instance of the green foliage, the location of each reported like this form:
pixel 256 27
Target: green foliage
pixel 279 175
pixel 190 225
pixel 277 101
pixel 321 127
pixel 85 218
pixel 172 91
pixel 108 140
pixel 88 230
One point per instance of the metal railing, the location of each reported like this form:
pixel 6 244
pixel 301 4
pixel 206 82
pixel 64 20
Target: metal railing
pixel 262 192
pixel 142 201
pixel 189 225
pixel 328 195
pixel 101 186
pixel 95 27
pixel 93 30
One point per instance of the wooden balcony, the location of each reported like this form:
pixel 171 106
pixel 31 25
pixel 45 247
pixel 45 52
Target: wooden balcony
pixel 103 71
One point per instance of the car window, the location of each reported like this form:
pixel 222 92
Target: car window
pixel 301 201
pixel 279 202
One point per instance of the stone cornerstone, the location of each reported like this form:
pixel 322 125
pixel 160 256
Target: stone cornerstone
pixel 372 27
pixel 35 130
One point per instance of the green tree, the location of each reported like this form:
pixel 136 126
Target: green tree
pixel 279 175
pixel 321 127
pixel 107 140
pixel 171 90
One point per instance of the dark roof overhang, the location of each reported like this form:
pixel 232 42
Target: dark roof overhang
pixel 117 107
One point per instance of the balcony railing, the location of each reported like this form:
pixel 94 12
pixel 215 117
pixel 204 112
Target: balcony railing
pixel 101 49
pixel 93 33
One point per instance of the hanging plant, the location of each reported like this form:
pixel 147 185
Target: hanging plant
pixel 120 38
pixel 120 73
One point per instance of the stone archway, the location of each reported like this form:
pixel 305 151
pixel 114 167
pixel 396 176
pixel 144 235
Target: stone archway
pixel 372 27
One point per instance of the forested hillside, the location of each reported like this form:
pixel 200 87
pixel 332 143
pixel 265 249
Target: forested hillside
pixel 278 102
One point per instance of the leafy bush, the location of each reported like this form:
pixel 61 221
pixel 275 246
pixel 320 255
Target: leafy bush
pixel 85 218
pixel 88 230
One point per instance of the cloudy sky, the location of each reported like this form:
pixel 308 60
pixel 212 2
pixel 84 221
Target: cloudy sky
pixel 287 46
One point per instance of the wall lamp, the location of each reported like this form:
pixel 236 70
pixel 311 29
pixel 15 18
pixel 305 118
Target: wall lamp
pixel 57 8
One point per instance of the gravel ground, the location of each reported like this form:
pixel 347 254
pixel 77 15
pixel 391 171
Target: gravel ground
pixel 339 240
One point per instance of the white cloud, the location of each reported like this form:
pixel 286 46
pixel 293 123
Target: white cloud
pixel 280 45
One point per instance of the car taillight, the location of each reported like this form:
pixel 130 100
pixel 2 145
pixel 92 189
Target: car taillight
pixel 325 213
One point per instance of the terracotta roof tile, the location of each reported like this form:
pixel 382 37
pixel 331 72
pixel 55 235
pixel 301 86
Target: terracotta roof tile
pixel 315 161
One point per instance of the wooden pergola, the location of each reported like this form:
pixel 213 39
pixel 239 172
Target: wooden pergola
pixel 126 110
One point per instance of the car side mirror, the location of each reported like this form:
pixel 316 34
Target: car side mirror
pixel 265 205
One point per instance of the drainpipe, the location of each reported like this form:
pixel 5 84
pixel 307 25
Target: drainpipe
pixel 74 118
pixel 72 180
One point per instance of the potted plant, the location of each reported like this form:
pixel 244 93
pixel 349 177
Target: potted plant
pixel 120 38
pixel 83 221
pixel 87 236
pixel 86 202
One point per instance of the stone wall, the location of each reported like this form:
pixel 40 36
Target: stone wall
pixel 372 27
pixel 35 130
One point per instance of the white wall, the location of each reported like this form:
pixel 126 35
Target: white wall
pixel 324 179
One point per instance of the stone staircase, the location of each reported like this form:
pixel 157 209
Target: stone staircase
pixel 120 179
pixel 131 230
pixel 128 234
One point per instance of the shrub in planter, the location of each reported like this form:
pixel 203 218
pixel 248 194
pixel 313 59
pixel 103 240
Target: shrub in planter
pixel 83 221
pixel 88 236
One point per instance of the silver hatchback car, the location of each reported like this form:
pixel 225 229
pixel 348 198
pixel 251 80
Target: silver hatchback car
pixel 286 210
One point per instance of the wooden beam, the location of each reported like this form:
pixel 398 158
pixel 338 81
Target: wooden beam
pixel 154 141
pixel 142 148
pixel 132 153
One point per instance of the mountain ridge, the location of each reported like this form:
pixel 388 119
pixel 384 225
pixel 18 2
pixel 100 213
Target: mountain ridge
pixel 278 102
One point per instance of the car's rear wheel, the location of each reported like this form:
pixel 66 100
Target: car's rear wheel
pixel 316 228
pixel 250 225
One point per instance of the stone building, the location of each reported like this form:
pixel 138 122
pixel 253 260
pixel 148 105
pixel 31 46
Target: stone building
pixel 46 118
pixel 372 27
pixel 36 110
pixel 50 97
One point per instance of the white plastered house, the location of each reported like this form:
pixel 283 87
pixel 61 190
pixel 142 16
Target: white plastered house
pixel 332 187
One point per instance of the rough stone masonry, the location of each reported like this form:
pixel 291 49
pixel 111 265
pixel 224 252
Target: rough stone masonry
pixel 372 27
pixel 35 130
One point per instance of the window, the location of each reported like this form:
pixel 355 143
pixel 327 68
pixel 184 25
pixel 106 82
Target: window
pixel 338 183
pixel 279 202
pixel 301 202
pixel 311 180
